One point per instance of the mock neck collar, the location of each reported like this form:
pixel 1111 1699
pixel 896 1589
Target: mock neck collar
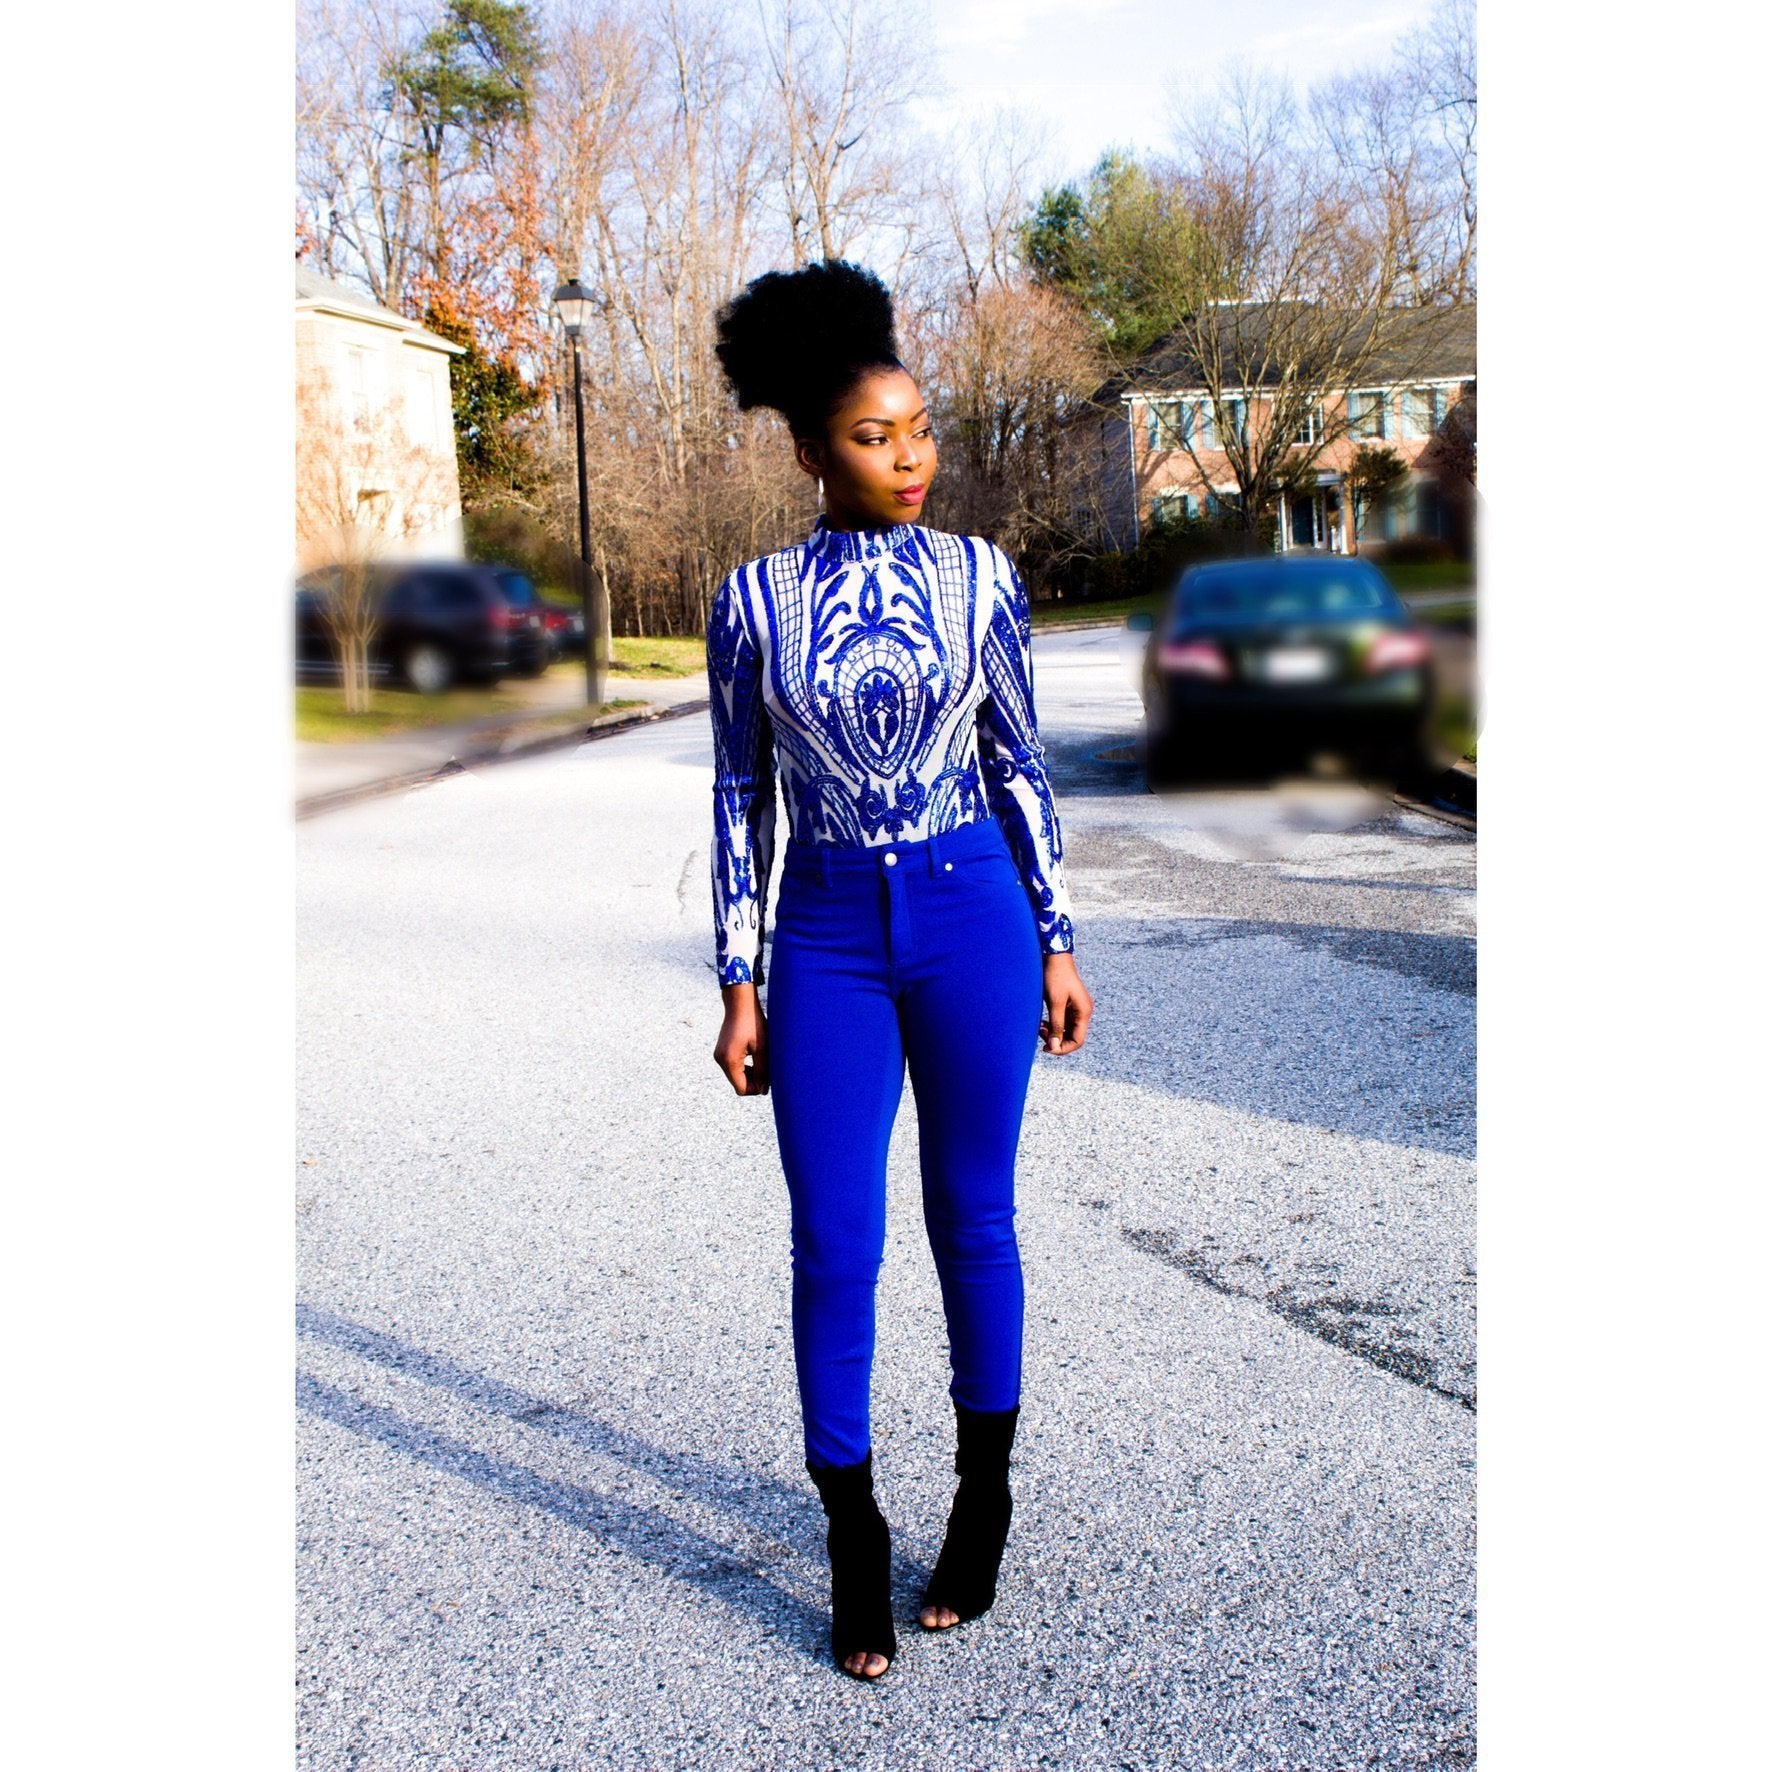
pixel 858 544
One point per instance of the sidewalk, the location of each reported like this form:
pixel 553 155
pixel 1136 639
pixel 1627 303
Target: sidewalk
pixel 331 774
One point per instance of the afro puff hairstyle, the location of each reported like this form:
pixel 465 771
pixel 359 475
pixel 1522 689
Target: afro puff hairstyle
pixel 798 341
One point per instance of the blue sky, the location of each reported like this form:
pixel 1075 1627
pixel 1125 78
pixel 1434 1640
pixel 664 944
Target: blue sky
pixel 1099 71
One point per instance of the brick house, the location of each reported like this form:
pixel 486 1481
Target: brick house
pixel 1140 425
pixel 375 431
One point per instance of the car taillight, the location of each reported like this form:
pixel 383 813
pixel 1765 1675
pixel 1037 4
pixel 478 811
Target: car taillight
pixel 1193 658
pixel 504 616
pixel 1396 652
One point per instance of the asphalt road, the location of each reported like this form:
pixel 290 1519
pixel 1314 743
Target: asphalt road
pixel 552 1511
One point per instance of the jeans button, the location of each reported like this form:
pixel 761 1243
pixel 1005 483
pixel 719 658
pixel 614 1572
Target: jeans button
pixel 891 859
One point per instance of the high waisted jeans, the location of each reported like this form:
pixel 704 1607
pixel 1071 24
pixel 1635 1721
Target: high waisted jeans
pixel 923 953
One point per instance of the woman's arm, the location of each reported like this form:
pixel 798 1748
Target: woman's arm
pixel 744 832
pixel 1020 794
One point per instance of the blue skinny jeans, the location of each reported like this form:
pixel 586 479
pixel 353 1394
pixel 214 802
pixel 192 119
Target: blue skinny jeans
pixel 923 953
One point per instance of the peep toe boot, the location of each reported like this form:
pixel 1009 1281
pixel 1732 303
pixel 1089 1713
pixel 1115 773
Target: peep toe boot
pixel 965 1576
pixel 860 1546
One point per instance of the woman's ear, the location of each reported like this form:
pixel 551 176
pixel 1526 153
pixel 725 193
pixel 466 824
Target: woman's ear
pixel 809 453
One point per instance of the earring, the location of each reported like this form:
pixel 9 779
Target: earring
pixel 821 493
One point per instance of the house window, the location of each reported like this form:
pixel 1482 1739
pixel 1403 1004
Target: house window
pixel 358 375
pixel 1185 424
pixel 1367 412
pixel 1169 504
pixel 1236 417
pixel 421 408
pixel 1418 411
pixel 1311 429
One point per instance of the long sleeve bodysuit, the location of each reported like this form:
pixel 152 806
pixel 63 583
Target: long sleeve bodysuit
pixel 886 676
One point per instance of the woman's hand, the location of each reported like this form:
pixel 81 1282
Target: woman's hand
pixel 743 1034
pixel 1068 1006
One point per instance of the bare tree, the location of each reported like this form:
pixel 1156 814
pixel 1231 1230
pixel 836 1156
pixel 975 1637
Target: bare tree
pixel 841 73
pixel 984 183
pixel 353 169
pixel 1292 294
pixel 1441 59
pixel 363 491
pixel 1403 136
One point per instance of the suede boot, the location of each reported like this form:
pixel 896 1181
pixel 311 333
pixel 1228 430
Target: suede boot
pixel 965 1575
pixel 860 1546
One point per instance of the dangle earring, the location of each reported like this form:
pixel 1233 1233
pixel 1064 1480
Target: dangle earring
pixel 821 494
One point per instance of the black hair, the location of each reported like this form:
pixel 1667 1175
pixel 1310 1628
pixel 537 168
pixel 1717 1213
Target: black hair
pixel 799 341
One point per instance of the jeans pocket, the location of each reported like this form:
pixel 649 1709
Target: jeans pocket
pixel 995 866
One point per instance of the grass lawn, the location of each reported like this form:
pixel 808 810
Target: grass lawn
pixel 670 655
pixel 1429 575
pixel 1451 615
pixel 320 716
pixel 1109 609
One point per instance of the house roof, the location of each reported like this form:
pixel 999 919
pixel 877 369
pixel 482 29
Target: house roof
pixel 324 295
pixel 1416 344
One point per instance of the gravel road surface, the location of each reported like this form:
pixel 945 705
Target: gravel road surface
pixel 551 1507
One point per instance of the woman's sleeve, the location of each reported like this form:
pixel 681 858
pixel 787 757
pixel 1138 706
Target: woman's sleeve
pixel 744 787
pixel 1013 760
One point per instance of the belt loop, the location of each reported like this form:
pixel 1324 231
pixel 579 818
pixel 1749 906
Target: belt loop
pixel 933 846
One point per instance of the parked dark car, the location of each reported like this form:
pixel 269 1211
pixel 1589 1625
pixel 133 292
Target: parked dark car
pixel 1260 661
pixel 530 660
pixel 566 628
pixel 438 624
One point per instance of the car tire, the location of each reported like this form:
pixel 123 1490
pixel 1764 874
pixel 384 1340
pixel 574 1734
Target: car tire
pixel 428 667
pixel 1165 764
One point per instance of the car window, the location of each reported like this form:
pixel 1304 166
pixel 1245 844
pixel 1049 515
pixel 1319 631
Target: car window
pixel 1277 593
pixel 518 591
pixel 451 596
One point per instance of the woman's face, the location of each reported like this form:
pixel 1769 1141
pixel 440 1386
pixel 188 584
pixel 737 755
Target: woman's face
pixel 879 454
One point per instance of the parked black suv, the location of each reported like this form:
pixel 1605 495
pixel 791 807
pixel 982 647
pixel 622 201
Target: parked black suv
pixel 438 623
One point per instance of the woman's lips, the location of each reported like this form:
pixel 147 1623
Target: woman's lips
pixel 909 495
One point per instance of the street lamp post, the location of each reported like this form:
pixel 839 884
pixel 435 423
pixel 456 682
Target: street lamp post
pixel 572 301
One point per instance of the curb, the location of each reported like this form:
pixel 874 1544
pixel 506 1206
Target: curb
pixel 603 727
pixel 1082 621
pixel 1451 797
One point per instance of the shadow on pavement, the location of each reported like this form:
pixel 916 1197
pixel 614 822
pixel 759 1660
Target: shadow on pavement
pixel 678 1550
pixel 1204 1008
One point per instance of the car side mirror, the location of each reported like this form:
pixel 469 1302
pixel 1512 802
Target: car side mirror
pixel 1140 621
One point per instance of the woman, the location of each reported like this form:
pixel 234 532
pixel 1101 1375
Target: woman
pixel 884 671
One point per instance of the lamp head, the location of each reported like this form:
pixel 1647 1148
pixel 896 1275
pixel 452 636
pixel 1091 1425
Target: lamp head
pixel 573 303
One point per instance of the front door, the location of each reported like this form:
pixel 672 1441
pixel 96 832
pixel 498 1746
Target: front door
pixel 1304 520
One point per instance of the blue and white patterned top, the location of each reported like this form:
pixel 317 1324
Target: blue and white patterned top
pixel 887 674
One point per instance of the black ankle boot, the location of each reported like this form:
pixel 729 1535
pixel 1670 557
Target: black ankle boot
pixel 860 1546
pixel 965 1575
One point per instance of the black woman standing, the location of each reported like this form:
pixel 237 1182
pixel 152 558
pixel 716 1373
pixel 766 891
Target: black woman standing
pixel 883 672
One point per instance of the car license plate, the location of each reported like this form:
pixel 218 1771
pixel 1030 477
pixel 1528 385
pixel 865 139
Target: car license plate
pixel 1296 664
